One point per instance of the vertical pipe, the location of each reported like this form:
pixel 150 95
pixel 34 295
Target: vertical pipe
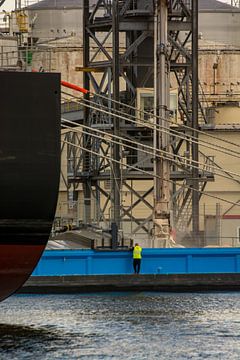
pixel 162 89
pixel 86 84
pixel 195 172
pixel 162 167
pixel 116 176
pixel 155 63
pixel 214 80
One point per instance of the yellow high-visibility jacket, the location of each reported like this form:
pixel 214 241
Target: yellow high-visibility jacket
pixel 137 252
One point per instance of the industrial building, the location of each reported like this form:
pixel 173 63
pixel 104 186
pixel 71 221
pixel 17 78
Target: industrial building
pixel 115 49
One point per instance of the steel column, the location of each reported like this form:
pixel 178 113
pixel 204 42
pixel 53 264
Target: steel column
pixel 195 157
pixel 162 166
pixel 175 53
pixel 86 138
pixel 116 172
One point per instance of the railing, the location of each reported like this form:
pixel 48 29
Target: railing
pixel 208 163
pixel 177 6
pixel 222 241
pixel 183 196
pixel 70 106
pixel 8 57
pixel 11 56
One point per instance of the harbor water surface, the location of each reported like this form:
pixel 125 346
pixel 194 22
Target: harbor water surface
pixel 121 326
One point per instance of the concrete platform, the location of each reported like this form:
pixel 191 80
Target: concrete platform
pixel 152 282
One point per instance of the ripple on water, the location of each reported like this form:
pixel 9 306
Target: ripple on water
pixel 121 326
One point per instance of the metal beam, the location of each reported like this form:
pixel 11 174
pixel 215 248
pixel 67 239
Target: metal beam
pixel 161 139
pixel 116 171
pixel 133 65
pixel 195 157
pixel 86 138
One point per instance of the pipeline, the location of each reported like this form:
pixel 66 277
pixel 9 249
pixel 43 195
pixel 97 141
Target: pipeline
pixel 68 84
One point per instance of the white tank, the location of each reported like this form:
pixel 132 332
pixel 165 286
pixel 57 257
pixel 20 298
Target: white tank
pixel 219 70
pixel 50 19
pixel 219 22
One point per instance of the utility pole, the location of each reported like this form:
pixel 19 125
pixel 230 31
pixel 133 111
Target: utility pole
pixel 161 139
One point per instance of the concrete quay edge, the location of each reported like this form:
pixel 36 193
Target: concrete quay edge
pixel 146 282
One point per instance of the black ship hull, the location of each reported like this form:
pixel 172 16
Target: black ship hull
pixel 29 171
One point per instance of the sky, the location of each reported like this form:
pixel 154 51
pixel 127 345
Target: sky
pixel 10 4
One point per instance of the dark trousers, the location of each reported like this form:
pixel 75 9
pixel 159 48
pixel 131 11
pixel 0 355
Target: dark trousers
pixel 136 265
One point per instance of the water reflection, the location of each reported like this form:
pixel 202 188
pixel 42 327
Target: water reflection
pixel 121 326
pixel 17 337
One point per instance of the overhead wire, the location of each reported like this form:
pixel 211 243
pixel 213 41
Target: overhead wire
pixel 141 170
pixel 184 126
pixel 160 153
pixel 216 148
pixel 110 159
pixel 188 137
pixel 190 161
pixel 162 157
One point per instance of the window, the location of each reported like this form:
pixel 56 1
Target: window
pixel 173 105
pixel 145 103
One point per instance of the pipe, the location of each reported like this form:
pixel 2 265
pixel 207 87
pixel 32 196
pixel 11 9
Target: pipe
pixel 74 87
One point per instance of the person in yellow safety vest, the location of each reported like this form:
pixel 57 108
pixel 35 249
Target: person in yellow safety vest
pixel 137 257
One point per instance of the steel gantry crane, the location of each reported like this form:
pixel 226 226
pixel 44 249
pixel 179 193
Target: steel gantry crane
pixel 140 56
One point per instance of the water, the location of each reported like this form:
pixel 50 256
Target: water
pixel 121 326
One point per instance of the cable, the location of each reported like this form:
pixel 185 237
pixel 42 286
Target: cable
pixel 197 162
pixel 170 132
pixel 149 147
pixel 152 175
pixel 158 117
pixel 96 136
pixel 164 119
pixel 175 155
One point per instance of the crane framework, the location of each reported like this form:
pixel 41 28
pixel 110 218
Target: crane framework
pixel 122 55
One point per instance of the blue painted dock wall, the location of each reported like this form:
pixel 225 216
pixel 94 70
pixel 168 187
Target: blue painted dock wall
pixel 155 261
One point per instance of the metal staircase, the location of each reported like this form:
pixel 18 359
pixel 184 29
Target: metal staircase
pixel 182 197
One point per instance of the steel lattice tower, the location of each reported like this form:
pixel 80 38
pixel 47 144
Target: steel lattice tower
pixel 118 43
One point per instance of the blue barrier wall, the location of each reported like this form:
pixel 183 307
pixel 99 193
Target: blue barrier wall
pixel 163 261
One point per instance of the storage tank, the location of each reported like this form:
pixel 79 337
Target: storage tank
pixel 219 70
pixel 56 18
pixel 219 22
